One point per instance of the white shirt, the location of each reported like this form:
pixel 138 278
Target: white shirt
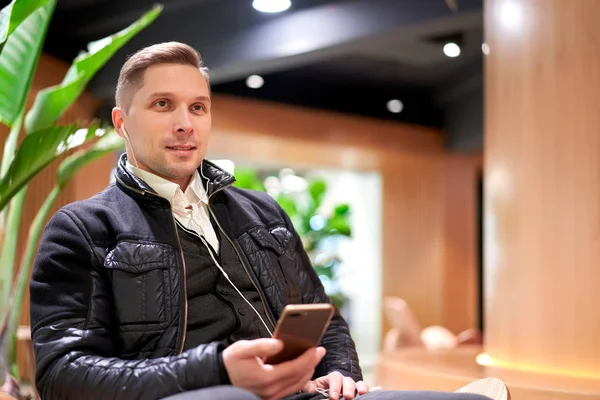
pixel 189 208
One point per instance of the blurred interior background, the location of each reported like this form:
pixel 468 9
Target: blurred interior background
pixel 447 253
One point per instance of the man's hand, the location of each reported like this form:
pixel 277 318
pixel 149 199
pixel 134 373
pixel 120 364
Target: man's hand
pixel 243 361
pixel 336 383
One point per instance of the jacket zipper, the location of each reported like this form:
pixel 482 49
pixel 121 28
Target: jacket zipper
pixel 260 294
pixel 143 193
pixel 184 285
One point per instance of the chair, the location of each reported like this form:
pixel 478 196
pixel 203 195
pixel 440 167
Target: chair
pixel 406 330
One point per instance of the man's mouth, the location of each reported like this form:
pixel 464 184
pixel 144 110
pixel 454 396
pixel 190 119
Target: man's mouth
pixel 181 148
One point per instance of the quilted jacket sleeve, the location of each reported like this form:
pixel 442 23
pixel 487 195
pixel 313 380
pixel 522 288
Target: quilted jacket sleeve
pixel 72 333
pixel 341 353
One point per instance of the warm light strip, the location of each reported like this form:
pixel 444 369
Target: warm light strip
pixel 485 360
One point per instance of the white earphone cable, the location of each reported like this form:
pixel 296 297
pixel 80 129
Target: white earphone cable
pixel 130 145
pixel 235 287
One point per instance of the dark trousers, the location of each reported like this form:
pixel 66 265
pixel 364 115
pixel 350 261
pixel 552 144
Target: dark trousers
pixel 233 393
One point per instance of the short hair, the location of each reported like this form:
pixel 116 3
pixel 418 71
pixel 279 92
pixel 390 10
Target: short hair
pixel 131 77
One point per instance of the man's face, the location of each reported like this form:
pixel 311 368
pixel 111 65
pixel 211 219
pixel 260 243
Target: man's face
pixel 168 122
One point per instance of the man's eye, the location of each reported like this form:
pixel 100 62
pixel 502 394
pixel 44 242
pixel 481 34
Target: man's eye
pixel 161 103
pixel 198 107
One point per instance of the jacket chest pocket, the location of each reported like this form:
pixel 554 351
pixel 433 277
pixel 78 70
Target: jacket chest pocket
pixel 140 282
pixel 276 247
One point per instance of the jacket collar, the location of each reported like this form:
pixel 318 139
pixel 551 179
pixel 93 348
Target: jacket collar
pixel 130 183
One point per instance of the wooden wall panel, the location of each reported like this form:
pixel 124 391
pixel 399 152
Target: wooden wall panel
pixel 387 139
pixel 461 278
pixel 542 167
pixel 412 237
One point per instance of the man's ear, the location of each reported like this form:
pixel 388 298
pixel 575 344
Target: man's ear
pixel 117 120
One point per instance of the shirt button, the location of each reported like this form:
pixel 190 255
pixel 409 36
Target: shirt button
pixel 241 311
pixel 224 292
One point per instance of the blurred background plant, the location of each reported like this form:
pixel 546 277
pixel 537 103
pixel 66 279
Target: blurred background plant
pixel 320 226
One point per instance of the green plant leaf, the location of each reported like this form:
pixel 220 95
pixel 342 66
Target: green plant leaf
pixel 37 151
pixel 8 248
pixel 10 145
pixel 13 14
pixel 323 271
pixel 288 204
pixel 18 62
pixel 340 225
pixel 338 299
pixel 9 347
pixel 52 102
pixel 317 189
pixel 247 178
pixel 109 143
pixel 341 209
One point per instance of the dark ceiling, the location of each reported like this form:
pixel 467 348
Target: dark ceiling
pixel 345 55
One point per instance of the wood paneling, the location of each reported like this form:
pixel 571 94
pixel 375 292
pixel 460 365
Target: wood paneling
pixel 363 142
pixel 413 237
pixel 542 169
pixel 461 276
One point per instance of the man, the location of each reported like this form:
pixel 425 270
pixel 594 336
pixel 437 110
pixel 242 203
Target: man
pixel 171 280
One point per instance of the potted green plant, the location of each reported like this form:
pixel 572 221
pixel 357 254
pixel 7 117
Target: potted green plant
pixel 23 26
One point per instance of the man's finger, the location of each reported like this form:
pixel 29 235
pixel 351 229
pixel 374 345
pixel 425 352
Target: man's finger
pixel 292 384
pixel 295 386
pixel 335 385
pixel 362 388
pixel 305 362
pixel 349 388
pixel 257 348
pixel 310 387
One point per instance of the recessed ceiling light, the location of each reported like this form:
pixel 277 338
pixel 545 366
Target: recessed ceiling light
pixel 451 50
pixel 395 106
pixel 271 6
pixel 255 81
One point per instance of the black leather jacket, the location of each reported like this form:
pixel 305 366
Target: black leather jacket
pixel 108 301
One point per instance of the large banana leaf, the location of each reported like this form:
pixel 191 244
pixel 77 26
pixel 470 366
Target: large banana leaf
pixel 15 13
pixel 35 153
pixel 8 247
pixel 51 102
pixel 18 61
pixel 9 151
pixel 38 150
pixel 107 144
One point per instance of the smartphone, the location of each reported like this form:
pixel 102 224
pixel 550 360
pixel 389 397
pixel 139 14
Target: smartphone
pixel 300 327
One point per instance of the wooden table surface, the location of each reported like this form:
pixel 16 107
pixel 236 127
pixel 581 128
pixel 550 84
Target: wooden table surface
pixel 450 370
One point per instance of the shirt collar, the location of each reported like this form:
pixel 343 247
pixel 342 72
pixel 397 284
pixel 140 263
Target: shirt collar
pixel 194 193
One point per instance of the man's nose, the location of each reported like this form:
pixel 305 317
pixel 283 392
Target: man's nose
pixel 183 123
